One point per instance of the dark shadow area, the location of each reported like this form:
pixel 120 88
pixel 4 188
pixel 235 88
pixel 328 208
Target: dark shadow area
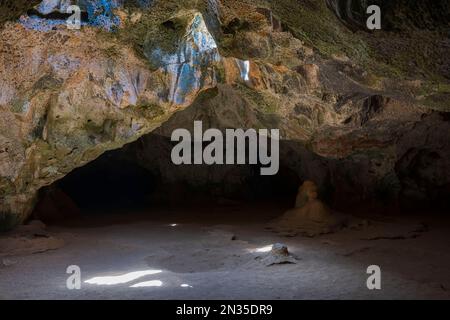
pixel 109 182
pixel 141 178
pixel 57 15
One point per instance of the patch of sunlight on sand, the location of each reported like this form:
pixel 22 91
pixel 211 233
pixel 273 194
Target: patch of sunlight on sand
pixel 124 278
pixel 153 283
pixel 262 249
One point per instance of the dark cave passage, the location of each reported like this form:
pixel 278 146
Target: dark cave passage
pixel 141 177
pixel 109 182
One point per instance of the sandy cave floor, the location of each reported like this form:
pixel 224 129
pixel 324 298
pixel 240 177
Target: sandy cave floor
pixel 217 259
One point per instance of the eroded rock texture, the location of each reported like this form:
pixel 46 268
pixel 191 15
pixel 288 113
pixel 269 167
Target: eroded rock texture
pixel 364 115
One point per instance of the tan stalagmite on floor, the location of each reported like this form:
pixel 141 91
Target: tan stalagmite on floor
pixel 311 216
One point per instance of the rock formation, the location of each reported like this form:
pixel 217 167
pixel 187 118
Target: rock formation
pixel 310 216
pixel 279 254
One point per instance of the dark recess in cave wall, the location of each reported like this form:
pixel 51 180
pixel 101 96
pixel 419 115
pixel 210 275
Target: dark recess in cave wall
pixel 56 15
pixel 140 176
pixel 13 9
pixel 133 178
pixel 396 15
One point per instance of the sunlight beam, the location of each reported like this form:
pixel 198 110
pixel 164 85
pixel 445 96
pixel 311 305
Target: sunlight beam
pixel 124 278
pixel 152 283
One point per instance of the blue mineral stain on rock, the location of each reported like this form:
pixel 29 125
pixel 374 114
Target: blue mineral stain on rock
pixel 99 12
pixel 186 83
pixel 49 6
pixel 192 64
pixel 39 24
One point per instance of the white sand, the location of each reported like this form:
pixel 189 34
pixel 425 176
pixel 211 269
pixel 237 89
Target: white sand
pixel 201 261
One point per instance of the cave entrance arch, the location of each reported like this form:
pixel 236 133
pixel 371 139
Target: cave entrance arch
pixel 140 177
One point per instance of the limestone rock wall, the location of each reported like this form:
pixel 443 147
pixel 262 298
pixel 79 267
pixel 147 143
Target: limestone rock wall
pixel 68 96
pixel 355 114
